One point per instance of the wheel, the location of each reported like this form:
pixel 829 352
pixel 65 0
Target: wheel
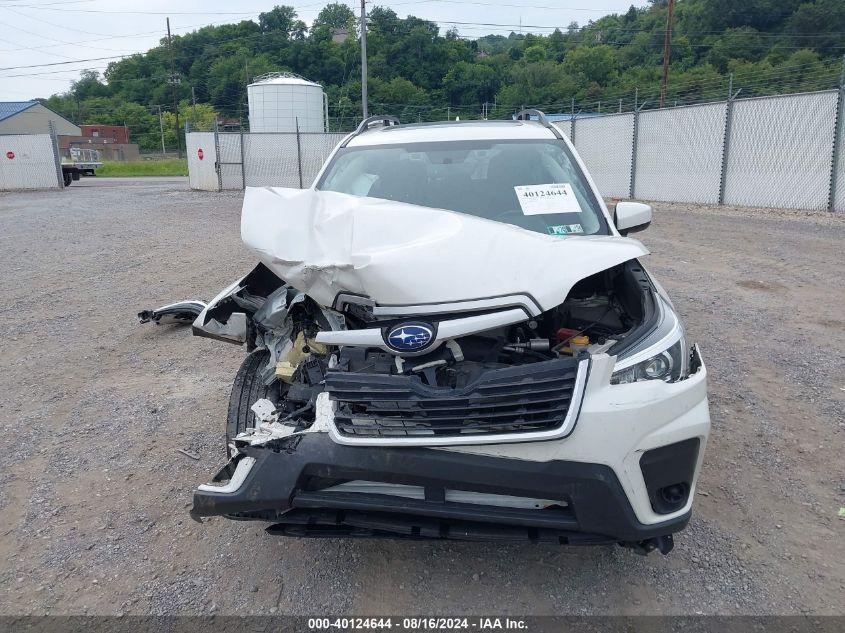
pixel 246 390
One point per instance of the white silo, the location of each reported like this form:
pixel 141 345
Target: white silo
pixel 278 101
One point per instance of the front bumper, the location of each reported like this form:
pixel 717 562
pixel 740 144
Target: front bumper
pixel 599 484
pixel 284 484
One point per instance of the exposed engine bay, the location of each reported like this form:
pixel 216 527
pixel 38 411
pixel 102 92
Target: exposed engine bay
pixel 438 390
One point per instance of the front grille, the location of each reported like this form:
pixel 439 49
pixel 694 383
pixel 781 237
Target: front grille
pixel 520 399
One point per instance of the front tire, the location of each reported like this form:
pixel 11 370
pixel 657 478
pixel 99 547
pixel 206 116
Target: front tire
pixel 248 388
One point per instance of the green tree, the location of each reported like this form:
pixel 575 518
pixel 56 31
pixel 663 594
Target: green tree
pixel 335 16
pixel 279 19
pixel 819 25
pixel 88 85
pixel 467 83
pixel 593 63
pixel 740 43
pixel 535 53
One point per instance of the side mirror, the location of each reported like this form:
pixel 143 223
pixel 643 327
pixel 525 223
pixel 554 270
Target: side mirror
pixel 631 217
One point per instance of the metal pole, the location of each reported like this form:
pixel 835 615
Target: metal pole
pixel 57 158
pixel 726 139
pixel 635 137
pixel 243 166
pixel 217 166
pixel 364 107
pixel 837 143
pixel 667 44
pixel 299 152
pixel 175 94
pixel 572 121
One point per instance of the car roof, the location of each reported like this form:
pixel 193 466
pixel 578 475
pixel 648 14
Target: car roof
pixel 451 131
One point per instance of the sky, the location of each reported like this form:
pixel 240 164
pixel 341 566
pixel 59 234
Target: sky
pixel 41 32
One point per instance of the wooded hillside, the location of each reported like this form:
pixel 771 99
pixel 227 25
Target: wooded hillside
pixel 419 71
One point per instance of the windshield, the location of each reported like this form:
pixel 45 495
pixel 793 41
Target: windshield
pixel 533 184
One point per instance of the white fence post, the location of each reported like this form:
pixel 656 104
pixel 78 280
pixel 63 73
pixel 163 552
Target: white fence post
pixel 217 166
pixel 57 157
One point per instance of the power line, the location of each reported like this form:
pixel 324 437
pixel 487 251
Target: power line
pixel 254 12
pixel 517 6
pixel 55 39
pixel 75 61
pixel 128 35
pixel 61 26
pixel 47 4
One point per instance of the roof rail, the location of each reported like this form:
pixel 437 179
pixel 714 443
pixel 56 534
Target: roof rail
pixel 385 119
pixel 525 115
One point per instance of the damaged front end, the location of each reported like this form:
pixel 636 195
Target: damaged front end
pixel 333 431
pixel 366 407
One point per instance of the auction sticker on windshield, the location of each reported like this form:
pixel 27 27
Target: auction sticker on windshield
pixel 544 199
pixel 564 229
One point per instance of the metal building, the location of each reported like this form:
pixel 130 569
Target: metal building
pixel 283 102
pixel 30 117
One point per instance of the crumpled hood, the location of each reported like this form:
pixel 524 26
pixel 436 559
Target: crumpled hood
pixel 325 243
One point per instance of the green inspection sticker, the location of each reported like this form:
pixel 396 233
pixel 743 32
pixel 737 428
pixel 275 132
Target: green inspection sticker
pixel 564 229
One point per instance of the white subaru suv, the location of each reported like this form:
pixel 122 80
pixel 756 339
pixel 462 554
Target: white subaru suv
pixel 450 336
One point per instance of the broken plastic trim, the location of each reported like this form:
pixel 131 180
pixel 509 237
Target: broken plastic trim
pixel 244 466
pixel 179 312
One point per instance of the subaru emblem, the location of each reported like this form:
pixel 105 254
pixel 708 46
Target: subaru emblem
pixel 410 337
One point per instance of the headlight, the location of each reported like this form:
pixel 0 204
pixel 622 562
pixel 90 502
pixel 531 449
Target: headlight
pixel 668 366
pixel 662 355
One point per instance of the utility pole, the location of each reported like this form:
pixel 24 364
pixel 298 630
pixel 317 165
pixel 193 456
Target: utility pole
pixel 667 45
pixel 364 107
pixel 161 129
pixel 173 82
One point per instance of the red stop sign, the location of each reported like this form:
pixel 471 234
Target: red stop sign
pixel 10 154
pixel 200 153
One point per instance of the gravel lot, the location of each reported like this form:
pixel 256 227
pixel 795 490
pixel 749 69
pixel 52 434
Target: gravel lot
pixel 93 408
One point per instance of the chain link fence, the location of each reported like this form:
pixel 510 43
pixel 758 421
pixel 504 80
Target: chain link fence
pixel 679 154
pixel 29 161
pixel 234 160
pixel 604 144
pixel 781 151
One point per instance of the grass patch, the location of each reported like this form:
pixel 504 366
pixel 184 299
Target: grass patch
pixel 135 168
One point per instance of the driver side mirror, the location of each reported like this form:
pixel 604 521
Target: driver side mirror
pixel 631 217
